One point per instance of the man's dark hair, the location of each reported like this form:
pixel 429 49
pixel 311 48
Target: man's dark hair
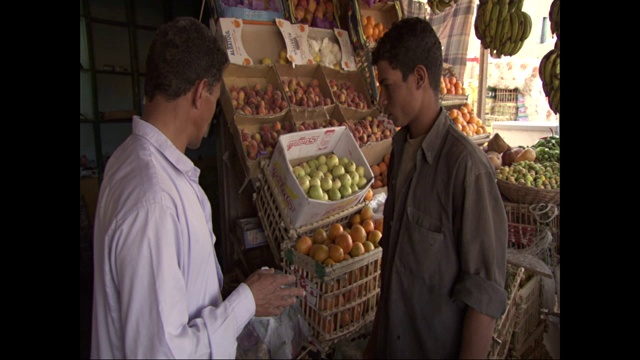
pixel 183 52
pixel 408 43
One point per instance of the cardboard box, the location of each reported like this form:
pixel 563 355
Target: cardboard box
pixel 249 76
pixel 252 125
pixel 289 11
pixel 271 10
pixel 378 124
pixel 323 43
pixel 249 43
pixel 386 12
pixel 304 73
pixel 295 38
pixel 250 231
pixel 353 77
pixel 294 148
pixel 319 118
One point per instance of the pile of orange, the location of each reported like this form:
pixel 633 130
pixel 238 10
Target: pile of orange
pixel 449 85
pixel 379 171
pixel 372 31
pixel 466 121
pixel 339 243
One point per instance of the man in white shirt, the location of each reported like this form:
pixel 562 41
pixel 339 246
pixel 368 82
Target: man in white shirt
pixel 157 282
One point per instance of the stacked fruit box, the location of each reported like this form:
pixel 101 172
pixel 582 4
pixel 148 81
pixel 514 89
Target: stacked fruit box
pixel 281 234
pixel 528 328
pixel 340 299
pixel 503 329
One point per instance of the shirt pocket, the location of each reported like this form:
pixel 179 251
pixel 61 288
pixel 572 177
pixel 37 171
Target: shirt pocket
pixel 420 245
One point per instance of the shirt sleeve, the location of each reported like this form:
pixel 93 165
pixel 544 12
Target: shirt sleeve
pixel 153 296
pixel 483 242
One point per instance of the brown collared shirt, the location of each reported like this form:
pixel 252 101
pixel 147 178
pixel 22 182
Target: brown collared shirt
pixel 444 245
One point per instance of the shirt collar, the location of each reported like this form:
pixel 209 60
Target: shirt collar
pixel 434 138
pixel 166 147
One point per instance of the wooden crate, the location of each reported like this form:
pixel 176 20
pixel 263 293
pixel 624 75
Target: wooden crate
pixel 504 325
pixel 340 299
pixel 528 315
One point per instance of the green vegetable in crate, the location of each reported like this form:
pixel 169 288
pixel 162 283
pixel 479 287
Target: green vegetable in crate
pixel 533 174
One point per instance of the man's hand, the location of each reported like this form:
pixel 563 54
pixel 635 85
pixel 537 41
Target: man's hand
pixel 271 293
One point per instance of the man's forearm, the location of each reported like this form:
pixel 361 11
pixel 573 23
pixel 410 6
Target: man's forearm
pixel 477 333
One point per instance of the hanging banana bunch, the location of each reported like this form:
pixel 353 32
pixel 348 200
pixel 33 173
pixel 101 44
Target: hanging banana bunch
pixel 502 26
pixel 438 6
pixel 549 68
pixel 554 21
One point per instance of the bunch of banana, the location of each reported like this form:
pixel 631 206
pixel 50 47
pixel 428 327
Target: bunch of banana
pixel 502 26
pixel 438 6
pixel 554 17
pixel 549 71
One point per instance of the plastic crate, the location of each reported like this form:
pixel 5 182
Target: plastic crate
pixel 278 229
pixel 340 299
pixel 525 221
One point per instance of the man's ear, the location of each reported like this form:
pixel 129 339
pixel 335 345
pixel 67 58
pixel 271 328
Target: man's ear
pixel 421 76
pixel 198 92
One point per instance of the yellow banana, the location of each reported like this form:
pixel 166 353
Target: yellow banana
pixel 555 71
pixel 505 25
pixel 520 24
pixel 543 70
pixel 517 47
pixel 506 48
pixel 514 26
pixel 554 100
pixel 493 19
pixel 504 8
pixel 548 69
pixel 527 26
pixel 486 13
pixel 478 26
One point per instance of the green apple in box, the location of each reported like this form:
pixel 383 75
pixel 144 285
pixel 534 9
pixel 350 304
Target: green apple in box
pixel 295 148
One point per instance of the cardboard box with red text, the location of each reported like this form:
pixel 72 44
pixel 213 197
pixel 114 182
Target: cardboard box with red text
pixel 291 150
pixel 250 43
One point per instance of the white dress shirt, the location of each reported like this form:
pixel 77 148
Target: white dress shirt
pixel 157 281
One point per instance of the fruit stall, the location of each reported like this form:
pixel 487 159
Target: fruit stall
pixel 304 152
